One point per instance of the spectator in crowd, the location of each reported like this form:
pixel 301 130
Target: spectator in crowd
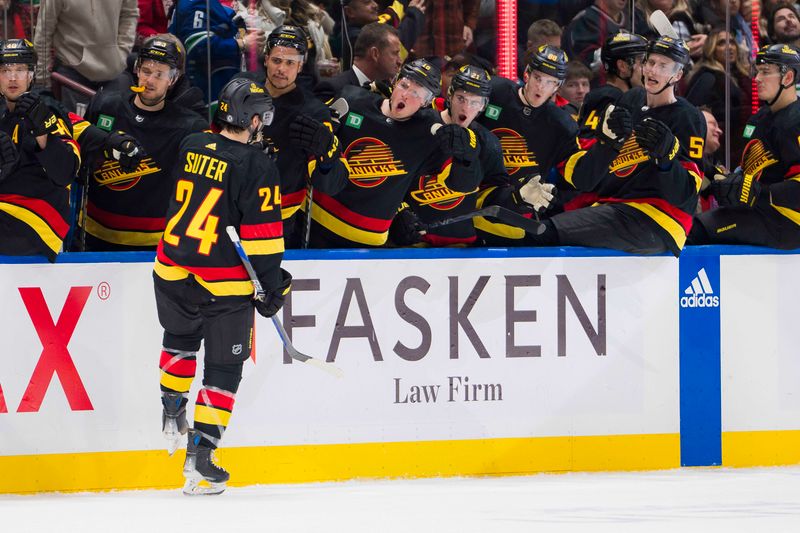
pixel 760 201
pixel 575 87
pixel 592 27
pixel 449 27
pixel 221 34
pixel 38 159
pixel 17 19
pixel 376 59
pixel 784 25
pixel 707 81
pixel 181 92
pixel 712 14
pixel 152 18
pixel 89 56
pixel 128 194
pixel 407 16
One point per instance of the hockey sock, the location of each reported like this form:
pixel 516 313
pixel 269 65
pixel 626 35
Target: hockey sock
pixel 212 412
pixel 177 370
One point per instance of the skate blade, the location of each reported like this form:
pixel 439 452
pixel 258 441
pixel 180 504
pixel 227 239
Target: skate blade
pixel 201 487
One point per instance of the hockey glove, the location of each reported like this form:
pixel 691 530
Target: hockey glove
pixel 736 190
pixel 616 127
pixel 406 228
pixel 379 87
pixel 655 138
pixel 125 149
pixel 8 156
pixel 273 301
pixel 532 192
pixel 315 137
pixel 42 118
pixel 460 143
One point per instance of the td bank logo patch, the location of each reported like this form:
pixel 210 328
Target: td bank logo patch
pixel 699 293
pixel 493 112
pixel 354 120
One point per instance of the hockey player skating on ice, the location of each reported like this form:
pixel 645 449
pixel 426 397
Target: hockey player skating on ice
pixel 760 201
pixel 388 142
pixel 307 152
pixel 537 137
pixel 644 204
pixel 203 293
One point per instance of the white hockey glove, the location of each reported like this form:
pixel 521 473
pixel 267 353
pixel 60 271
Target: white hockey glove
pixel 536 194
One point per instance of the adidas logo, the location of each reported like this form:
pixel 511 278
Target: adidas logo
pixel 700 293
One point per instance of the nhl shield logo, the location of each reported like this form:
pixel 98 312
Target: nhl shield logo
pixel 237 349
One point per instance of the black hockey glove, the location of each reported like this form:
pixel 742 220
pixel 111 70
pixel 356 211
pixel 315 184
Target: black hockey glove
pixel 379 87
pixel 461 143
pixel 406 228
pixel 8 156
pixel 532 193
pixel 616 126
pixel 125 149
pixel 42 118
pixel 735 190
pixel 315 137
pixel 657 140
pixel 273 300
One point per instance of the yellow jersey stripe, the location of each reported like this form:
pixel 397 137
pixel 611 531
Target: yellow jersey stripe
pixel 263 246
pixel 37 224
pixel 345 230
pixel 666 222
pixel 129 238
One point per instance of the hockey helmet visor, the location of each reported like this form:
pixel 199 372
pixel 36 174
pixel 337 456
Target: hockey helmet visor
pixel 786 56
pixel 424 73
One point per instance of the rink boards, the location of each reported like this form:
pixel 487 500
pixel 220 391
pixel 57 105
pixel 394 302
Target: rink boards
pixel 456 362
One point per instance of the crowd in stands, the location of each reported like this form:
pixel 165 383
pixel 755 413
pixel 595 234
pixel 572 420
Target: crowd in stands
pixel 125 81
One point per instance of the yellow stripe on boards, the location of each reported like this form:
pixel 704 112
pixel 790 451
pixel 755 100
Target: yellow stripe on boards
pixel 337 462
pixel 760 448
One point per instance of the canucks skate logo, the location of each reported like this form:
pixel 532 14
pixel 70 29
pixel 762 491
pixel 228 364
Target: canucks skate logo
pixel 112 176
pixel 755 158
pixel 628 159
pixel 516 154
pixel 699 293
pixel 371 162
pixel 434 193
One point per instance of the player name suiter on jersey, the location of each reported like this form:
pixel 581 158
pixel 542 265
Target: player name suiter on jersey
pixel 205 165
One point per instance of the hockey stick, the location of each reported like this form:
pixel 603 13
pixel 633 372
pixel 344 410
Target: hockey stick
pixel 260 294
pixel 662 25
pixel 500 213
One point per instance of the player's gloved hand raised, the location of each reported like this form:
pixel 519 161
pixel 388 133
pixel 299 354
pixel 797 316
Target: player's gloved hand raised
pixel 460 143
pixel 379 87
pixel 273 300
pixel 616 127
pixel 532 192
pixel 406 228
pixel 736 190
pixel 315 137
pixel 125 149
pixel 657 140
pixel 8 156
pixel 42 118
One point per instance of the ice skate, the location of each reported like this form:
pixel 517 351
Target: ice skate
pixel 173 419
pixel 203 477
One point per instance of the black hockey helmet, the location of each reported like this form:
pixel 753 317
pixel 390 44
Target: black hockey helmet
pixel 674 49
pixel 624 45
pixel 240 99
pixel 785 56
pixel 17 51
pixel 549 60
pixel 471 79
pixel 424 73
pixel 290 37
pixel 163 48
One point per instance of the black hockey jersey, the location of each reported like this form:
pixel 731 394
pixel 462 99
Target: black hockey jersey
pixel 295 165
pixel 34 197
pixel 772 156
pixel 384 157
pixel 432 200
pixel 221 182
pixel 127 208
pixel 668 197
pixel 593 105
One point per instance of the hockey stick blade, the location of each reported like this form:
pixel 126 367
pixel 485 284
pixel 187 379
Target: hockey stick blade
pixel 662 25
pixel 293 352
